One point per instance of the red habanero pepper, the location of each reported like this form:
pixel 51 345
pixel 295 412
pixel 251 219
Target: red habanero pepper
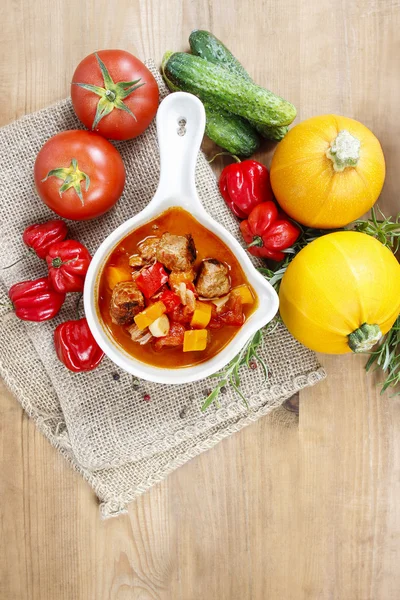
pixel 243 185
pixel 35 300
pixel 76 347
pixel 267 232
pixel 40 237
pixel 170 299
pixel 151 279
pixel 68 262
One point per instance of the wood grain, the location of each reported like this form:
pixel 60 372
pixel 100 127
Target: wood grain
pixel 288 509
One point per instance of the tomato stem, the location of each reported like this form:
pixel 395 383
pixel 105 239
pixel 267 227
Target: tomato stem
pixel 110 95
pixel 72 177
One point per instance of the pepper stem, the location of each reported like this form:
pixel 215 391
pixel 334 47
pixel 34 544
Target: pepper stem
pixel 364 338
pixel 257 241
pixel 56 262
pixel 14 263
pixel 78 302
pixel 344 151
pixel 224 154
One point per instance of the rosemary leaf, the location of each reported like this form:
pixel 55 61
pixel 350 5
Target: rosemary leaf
pixel 230 375
pixel 387 357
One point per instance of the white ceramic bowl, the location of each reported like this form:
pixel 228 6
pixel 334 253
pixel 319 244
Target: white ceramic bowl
pixel 178 154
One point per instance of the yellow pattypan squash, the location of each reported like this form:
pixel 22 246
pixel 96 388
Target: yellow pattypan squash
pixel 341 293
pixel 328 171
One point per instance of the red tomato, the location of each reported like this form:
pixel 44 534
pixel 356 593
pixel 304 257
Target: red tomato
pixel 79 174
pixel 115 94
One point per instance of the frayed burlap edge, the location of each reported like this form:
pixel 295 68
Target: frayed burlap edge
pixel 113 506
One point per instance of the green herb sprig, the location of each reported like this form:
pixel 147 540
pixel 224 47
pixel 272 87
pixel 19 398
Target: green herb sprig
pixel 387 357
pixel 384 229
pixel 230 375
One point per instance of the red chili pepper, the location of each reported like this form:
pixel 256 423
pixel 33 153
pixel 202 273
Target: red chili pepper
pixel 151 279
pixel 41 236
pixel 170 299
pixel 76 347
pixel 243 185
pixel 68 263
pixel 35 300
pixel 267 232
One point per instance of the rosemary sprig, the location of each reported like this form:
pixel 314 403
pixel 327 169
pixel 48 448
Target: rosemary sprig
pixel 387 357
pixel 384 229
pixel 247 356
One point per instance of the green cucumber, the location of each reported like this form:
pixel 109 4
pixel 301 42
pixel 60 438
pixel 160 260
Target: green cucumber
pixel 230 131
pixel 216 85
pixel 205 45
pixel 227 130
pixel 275 133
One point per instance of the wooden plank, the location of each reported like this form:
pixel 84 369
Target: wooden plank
pixel 294 509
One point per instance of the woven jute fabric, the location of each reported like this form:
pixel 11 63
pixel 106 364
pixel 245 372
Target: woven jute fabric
pixel 99 421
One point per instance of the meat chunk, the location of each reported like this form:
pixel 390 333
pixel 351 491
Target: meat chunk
pixel 176 252
pixel 148 249
pixel 213 279
pixel 126 301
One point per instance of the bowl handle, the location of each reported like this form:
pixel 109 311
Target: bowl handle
pixel 181 122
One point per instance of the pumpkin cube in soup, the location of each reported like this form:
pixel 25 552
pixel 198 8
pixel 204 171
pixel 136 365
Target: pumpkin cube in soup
pixel 150 314
pixel 201 316
pixel 244 292
pixel 195 340
pixel 118 275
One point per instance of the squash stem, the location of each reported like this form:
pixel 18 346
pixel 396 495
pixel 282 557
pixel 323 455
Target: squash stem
pixel 364 338
pixel 344 151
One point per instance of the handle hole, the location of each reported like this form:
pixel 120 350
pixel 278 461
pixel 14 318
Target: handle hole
pixel 181 131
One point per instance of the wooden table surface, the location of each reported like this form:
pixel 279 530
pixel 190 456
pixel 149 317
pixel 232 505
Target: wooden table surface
pixel 290 508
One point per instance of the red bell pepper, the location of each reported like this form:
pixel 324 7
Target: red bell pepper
pixel 267 232
pixel 35 300
pixel 243 185
pixel 68 263
pixel 170 299
pixel 151 279
pixel 41 236
pixel 76 347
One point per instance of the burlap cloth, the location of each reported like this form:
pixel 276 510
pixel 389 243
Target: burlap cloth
pixel 121 444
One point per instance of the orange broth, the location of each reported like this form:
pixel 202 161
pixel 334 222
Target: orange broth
pixel 176 221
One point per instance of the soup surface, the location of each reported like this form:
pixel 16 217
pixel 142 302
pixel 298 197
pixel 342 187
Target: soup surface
pixel 201 302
